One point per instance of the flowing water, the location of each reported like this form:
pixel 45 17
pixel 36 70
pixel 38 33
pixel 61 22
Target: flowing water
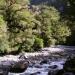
pixel 55 58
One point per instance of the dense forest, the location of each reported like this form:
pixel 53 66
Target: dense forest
pixel 28 25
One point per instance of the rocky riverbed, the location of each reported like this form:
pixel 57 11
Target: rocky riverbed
pixel 41 65
pixel 49 60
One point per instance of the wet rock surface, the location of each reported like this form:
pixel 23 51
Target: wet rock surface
pixel 14 66
pixel 43 66
pixel 52 64
pixel 19 66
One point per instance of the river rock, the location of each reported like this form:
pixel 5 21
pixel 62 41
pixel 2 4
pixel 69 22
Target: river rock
pixel 53 66
pixel 22 56
pixel 19 66
pixel 68 73
pixel 70 65
pixel 45 61
pixel 53 72
pixel 60 72
pixel 13 66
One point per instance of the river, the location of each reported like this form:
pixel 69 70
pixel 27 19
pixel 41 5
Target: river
pixel 48 59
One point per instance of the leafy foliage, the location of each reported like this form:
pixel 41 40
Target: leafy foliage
pixel 4 44
pixel 24 27
pixel 52 29
pixel 61 32
pixel 38 44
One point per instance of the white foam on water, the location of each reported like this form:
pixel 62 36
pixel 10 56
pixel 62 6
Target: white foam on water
pixel 41 71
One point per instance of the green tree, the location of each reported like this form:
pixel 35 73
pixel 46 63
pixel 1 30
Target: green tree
pixel 38 44
pixel 53 30
pixel 60 32
pixel 70 16
pixel 19 21
pixel 47 16
pixel 4 44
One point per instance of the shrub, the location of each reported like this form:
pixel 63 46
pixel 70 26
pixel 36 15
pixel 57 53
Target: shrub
pixel 38 44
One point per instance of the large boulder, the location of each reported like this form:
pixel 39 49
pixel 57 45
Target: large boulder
pixel 70 64
pixel 13 66
pixel 60 72
pixel 53 72
pixel 19 66
pixel 69 67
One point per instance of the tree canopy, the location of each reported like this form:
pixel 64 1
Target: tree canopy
pixel 24 27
